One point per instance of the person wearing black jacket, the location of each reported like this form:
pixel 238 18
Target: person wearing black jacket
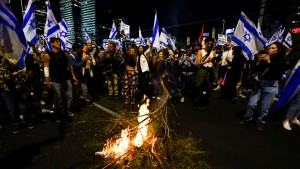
pixel 275 64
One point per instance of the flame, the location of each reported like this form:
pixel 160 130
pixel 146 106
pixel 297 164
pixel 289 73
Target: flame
pixel 143 120
pixel 117 149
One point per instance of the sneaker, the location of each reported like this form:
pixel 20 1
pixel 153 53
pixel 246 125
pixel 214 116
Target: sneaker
pixel 245 121
pixel 242 96
pixel 182 100
pixel 70 114
pixel 286 125
pixel 158 98
pixel 296 122
pixel 16 130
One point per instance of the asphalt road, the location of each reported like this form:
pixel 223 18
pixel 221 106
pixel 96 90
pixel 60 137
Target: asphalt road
pixel 228 144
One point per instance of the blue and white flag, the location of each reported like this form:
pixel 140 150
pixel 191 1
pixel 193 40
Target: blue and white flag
pixel 113 31
pixel 29 24
pixel 141 39
pixel 290 89
pixel 260 32
pixel 155 34
pixel 63 33
pixel 69 45
pixel 165 39
pixel 12 37
pixel 51 26
pixel 276 37
pixel 86 35
pixel 247 37
pixel 47 43
pixel 287 41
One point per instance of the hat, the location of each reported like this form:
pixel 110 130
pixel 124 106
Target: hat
pixel 182 50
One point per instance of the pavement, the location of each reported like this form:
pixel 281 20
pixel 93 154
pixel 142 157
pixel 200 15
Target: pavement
pixel 228 144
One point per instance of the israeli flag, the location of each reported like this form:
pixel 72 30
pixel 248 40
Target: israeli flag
pixel 29 24
pixel 155 34
pixel 12 37
pixel 259 31
pixel 51 26
pixel 113 31
pixel 247 37
pixel 277 36
pixel 165 39
pixel 287 41
pixel 63 33
pixel 141 39
pixel 86 35
pixel 69 45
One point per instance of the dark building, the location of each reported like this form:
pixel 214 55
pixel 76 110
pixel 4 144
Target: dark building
pixel 70 13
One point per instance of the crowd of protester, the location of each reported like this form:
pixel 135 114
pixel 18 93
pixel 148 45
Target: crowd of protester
pixel 53 79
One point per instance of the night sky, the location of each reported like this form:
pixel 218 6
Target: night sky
pixel 183 18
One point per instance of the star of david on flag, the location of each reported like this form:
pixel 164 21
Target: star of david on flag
pixel 287 41
pixel 51 26
pixel 247 37
pixel 63 33
pixel 29 25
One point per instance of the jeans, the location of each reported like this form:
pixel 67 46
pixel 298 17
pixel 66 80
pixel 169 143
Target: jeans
pixel 62 98
pixel 266 93
pixel 16 104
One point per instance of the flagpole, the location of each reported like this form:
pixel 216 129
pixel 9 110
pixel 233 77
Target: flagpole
pixel 223 26
pixel 22 7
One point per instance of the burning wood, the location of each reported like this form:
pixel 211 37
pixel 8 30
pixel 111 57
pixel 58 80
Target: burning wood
pixel 117 149
pixel 148 143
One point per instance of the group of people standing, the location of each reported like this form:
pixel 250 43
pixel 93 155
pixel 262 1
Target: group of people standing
pixel 137 73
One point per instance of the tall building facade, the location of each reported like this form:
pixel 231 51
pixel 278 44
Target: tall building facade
pixel 89 19
pixel 70 13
